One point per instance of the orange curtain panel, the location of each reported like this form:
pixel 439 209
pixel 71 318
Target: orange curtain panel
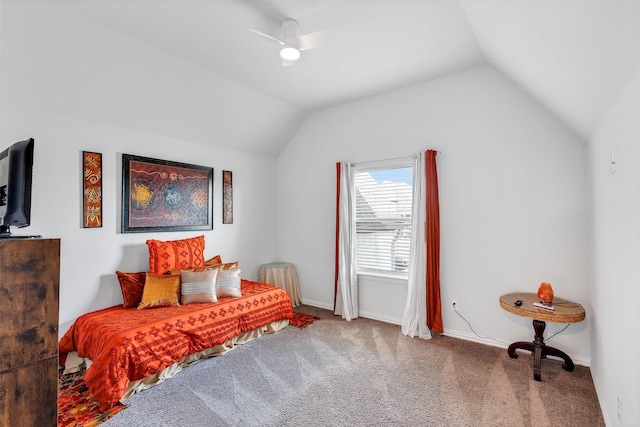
pixel 432 229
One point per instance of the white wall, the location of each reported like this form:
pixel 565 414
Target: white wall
pixel 514 198
pixel 89 257
pixel 615 345
pixel 74 86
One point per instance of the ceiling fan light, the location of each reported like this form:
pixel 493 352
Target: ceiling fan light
pixel 289 53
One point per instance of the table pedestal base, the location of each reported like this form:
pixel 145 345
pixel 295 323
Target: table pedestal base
pixel 540 350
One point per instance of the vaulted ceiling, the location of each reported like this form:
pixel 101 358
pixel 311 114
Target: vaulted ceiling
pixel 574 57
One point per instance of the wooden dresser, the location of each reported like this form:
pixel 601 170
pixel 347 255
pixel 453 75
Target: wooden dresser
pixel 29 284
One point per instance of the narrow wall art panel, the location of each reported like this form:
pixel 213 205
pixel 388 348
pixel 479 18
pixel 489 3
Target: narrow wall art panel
pixel 92 189
pixel 227 197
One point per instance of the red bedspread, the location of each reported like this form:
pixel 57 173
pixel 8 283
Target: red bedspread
pixel 129 344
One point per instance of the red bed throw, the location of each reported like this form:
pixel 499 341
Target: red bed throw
pixel 129 344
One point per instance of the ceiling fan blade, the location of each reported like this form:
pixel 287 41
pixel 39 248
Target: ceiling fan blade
pixel 260 33
pixel 313 40
pixel 288 63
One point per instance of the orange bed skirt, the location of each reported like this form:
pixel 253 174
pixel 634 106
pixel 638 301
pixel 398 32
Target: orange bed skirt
pixel 127 345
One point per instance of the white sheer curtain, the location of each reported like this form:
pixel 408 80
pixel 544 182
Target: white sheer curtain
pixel 347 292
pixel 414 321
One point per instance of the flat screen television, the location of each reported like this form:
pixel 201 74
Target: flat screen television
pixel 16 168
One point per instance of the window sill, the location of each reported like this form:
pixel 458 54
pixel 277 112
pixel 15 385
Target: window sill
pixel 386 278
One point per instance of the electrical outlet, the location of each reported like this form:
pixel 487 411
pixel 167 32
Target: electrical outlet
pixel 454 304
pixel 619 408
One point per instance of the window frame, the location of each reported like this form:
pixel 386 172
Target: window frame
pixel 401 276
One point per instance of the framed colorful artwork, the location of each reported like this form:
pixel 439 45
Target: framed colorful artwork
pixel 161 195
pixel 227 197
pixel 91 190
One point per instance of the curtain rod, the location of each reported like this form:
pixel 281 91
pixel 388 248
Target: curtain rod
pixel 385 160
pixel 389 160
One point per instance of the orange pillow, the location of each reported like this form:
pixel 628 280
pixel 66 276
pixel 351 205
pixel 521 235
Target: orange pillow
pixel 160 291
pixel 213 261
pixel 180 270
pixel 131 285
pixel 175 254
pixel 227 266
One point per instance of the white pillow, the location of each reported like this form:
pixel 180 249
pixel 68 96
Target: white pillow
pixel 228 283
pixel 198 286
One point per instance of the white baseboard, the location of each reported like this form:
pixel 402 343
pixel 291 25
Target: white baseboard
pixel 368 315
pixel 603 406
pixel 318 304
pixel 502 344
pixel 381 318
pixel 471 337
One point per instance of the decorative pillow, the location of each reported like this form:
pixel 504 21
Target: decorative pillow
pixel 175 254
pixel 228 283
pixel 178 272
pixel 198 286
pixel 131 285
pixel 160 291
pixel 213 261
pixel 226 266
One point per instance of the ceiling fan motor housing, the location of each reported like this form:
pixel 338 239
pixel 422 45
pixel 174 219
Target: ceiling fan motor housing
pixel 290 31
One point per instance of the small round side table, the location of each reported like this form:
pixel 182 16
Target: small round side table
pixel 565 312
pixel 282 275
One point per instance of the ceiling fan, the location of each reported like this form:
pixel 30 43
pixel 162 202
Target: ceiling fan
pixel 291 43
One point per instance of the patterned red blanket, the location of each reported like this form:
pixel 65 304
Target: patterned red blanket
pixel 129 344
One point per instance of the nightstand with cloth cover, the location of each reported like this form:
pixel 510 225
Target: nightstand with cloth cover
pixel 283 275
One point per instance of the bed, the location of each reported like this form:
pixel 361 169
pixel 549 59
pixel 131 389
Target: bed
pixel 130 348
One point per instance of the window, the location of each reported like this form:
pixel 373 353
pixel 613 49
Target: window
pixel 384 196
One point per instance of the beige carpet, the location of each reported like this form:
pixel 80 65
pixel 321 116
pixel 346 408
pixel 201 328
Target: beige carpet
pixel 366 373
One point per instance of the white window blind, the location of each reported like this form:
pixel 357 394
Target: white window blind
pixel 384 198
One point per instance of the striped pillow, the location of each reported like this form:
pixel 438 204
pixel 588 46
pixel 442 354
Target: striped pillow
pixel 198 286
pixel 228 283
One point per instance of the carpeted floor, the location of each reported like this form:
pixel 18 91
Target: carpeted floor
pixel 365 373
